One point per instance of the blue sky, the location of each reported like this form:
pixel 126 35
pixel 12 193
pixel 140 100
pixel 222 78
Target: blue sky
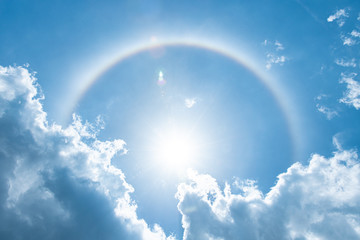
pixel 179 120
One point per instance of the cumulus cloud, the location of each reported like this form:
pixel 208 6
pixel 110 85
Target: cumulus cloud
pixel 352 95
pixel 316 201
pixel 339 16
pixel 58 183
pixel 346 63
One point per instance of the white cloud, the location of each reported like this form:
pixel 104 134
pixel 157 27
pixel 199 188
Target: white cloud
pixel 321 96
pixel 330 114
pixel 336 142
pixel 346 63
pixel 59 183
pixel 340 16
pixel 337 15
pixel 273 59
pixel 275 45
pixel 355 33
pixel 350 38
pixel 279 46
pixel 348 41
pixel 352 95
pixel 317 201
pixel 190 102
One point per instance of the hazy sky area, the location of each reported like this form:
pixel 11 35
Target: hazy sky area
pixel 179 119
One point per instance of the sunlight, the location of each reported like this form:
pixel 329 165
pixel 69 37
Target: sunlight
pixel 176 149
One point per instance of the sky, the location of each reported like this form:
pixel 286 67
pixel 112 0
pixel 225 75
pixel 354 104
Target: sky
pixel 179 119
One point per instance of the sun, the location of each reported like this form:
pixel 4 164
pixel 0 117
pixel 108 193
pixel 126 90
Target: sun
pixel 176 149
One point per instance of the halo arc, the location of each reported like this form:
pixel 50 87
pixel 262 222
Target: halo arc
pixel 240 57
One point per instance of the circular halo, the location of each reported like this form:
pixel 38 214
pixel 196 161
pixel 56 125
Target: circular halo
pixel 273 86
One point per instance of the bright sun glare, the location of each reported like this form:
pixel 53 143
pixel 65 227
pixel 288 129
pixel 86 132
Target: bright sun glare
pixel 176 149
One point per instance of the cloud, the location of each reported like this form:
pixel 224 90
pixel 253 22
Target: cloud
pixel 348 41
pixel 59 183
pixel 330 114
pixel 316 201
pixel 276 45
pixel 273 59
pixel 279 46
pixel 355 33
pixel 340 16
pixel 321 96
pixel 352 95
pixel 346 63
pixel 190 102
pixel 272 56
pixel 336 142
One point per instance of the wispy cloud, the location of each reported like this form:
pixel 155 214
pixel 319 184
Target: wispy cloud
pixel 339 16
pixel 309 11
pixel 348 41
pixel 316 201
pixel 330 114
pixel 190 102
pixel 279 46
pixel 327 111
pixel 352 94
pixel 336 142
pixel 321 96
pixel 273 59
pixel 355 33
pixel 274 45
pixel 272 56
pixel 346 63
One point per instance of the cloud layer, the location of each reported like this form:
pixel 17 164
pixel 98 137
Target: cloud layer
pixel 60 184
